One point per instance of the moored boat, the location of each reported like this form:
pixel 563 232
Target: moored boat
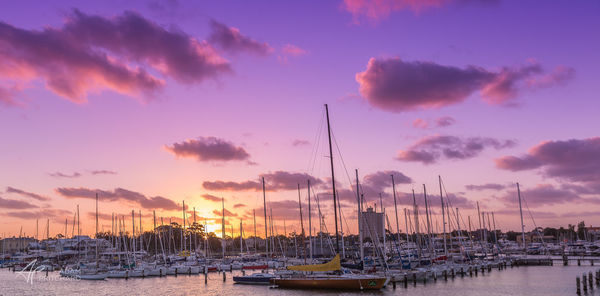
pixel 352 282
pixel 254 279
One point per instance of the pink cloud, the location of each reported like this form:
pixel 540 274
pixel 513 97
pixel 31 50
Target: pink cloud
pixel 438 122
pixel 293 50
pixel 26 194
pixel 230 39
pixel 375 10
pixel 62 175
pixel 8 97
pixel 381 9
pixel 208 149
pixel 299 142
pixel 210 197
pixel 93 53
pixel 275 181
pixel 103 172
pixel 540 195
pixel 228 213
pixel 45 213
pixel 576 160
pixel 420 123
pixel 120 194
pixel 488 186
pixel 15 204
pixel 231 185
pixel 432 148
pixel 395 85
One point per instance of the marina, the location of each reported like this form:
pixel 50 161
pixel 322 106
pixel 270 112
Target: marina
pixel 342 147
pixel 533 281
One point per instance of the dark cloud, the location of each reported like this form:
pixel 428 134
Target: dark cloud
pixel 444 121
pixel 488 186
pixel 211 197
pixel 275 181
pixel 541 195
pixel 26 194
pixel 93 53
pixel 239 205
pixel 395 85
pixel 63 175
pixel 55 214
pixel 230 39
pixel 299 142
pixel 231 186
pixel 209 149
pixel 432 148
pixel 103 172
pixel 120 194
pixel 513 163
pixel 572 160
pixel 228 213
pixel 15 204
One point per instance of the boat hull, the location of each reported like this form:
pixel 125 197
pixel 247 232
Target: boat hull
pixel 330 283
pixel 255 267
pixel 244 280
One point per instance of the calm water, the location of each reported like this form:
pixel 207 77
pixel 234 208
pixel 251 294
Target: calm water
pixel 530 281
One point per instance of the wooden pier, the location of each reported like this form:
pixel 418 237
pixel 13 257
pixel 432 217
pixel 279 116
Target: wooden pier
pixel 533 262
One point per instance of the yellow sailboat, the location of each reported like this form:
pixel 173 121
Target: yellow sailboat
pixel 337 282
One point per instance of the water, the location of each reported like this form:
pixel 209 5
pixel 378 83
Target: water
pixel 530 281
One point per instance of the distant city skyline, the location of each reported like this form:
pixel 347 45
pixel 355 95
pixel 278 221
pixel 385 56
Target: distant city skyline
pixel 152 103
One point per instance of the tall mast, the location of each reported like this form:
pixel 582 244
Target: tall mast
pixel 266 224
pixel 301 225
pixel 255 237
pixel 183 229
pixel 342 229
pixel 78 233
pixel 458 226
pixel 522 225
pixel 154 230
pixel 141 232
pixel 223 226
pixel 133 233
pixel 429 244
pixel 416 214
pixel 96 215
pixel 96 230
pixel 310 248
pixel 480 229
pixel 443 217
pixel 195 235
pixel 396 209
pixel 406 224
pixel 495 234
pixel 360 223
pixel 337 236
pixel 241 236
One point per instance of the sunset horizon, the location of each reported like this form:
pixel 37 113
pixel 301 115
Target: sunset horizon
pixel 153 104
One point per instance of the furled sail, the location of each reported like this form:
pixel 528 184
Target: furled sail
pixel 332 265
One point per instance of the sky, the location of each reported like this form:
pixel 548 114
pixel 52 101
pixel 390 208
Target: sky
pixel 151 104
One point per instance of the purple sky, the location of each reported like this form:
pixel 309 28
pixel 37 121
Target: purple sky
pixel 153 103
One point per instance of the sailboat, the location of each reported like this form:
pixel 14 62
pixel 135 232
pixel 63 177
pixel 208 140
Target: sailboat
pixel 337 280
pixel 327 281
